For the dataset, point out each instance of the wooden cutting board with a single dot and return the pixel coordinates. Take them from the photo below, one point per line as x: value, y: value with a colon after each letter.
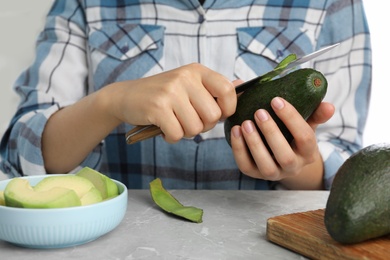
x: 305, y: 233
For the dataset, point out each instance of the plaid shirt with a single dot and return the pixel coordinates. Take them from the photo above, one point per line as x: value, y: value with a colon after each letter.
x: 86, y: 45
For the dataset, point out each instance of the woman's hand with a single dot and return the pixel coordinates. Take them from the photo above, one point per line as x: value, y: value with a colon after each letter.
x: 298, y: 166
x: 183, y: 102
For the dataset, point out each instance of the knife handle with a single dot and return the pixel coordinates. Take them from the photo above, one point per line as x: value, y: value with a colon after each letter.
x: 140, y: 133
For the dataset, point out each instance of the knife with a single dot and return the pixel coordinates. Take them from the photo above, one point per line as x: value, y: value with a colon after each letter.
x: 140, y: 133
x: 285, y: 69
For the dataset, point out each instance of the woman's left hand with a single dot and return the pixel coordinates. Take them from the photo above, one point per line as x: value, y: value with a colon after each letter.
x: 252, y: 156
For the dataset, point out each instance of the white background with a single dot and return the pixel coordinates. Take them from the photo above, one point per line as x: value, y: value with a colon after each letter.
x: 21, y: 21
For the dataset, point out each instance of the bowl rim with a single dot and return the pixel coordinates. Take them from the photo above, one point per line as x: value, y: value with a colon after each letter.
x: 122, y: 188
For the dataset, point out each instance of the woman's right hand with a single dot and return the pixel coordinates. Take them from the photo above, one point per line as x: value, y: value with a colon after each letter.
x: 183, y: 102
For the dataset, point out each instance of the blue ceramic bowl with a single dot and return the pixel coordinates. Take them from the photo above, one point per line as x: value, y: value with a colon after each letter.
x: 62, y: 227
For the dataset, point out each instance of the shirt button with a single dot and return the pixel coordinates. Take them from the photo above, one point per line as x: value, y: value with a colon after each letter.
x: 201, y: 19
x: 125, y: 49
x: 279, y: 53
x: 198, y: 139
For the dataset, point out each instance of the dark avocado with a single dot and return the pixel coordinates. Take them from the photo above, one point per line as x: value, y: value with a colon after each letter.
x: 303, y: 88
x: 358, y: 207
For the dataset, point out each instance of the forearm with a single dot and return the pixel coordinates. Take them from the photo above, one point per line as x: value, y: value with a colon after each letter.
x: 71, y: 133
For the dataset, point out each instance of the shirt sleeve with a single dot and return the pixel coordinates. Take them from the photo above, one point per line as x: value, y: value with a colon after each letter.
x: 349, y: 72
x: 56, y: 78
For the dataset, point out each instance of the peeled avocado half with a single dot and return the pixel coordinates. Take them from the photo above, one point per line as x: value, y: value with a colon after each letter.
x: 19, y: 193
x: 104, y: 184
x: 86, y: 187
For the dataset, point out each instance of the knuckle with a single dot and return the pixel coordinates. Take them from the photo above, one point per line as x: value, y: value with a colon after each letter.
x: 309, y: 137
x: 249, y: 171
x: 172, y: 89
x: 194, y: 65
x: 186, y: 72
x: 306, y: 137
x: 288, y: 163
x: 226, y: 87
x: 159, y: 103
x: 229, y: 102
x: 213, y: 115
x: 174, y: 137
x: 194, y: 130
x: 270, y: 174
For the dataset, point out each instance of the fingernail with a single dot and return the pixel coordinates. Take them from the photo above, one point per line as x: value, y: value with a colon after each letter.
x: 248, y: 126
x: 261, y: 115
x: 236, y: 132
x: 277, y: 103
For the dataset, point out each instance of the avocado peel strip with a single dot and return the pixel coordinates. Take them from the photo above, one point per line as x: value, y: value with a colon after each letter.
x: 170, y: 204
x: 278, y: 69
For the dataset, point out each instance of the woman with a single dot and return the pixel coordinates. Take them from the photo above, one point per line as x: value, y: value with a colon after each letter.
x: 101, y: 69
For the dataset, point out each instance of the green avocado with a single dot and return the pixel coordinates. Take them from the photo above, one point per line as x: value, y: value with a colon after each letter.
x: 303, y: 88
x: 358, y: 207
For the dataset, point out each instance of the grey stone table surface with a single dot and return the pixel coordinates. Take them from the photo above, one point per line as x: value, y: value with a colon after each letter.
x: 233, y: 227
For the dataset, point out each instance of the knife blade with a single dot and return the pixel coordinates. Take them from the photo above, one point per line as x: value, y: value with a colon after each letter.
x: 289, y: 67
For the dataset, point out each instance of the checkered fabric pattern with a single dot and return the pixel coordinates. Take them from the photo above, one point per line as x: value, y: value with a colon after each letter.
x: 88, y: 44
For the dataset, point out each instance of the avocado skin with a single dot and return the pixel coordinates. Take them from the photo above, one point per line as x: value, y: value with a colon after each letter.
x: 296, y: 87
x: 358, y: 207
